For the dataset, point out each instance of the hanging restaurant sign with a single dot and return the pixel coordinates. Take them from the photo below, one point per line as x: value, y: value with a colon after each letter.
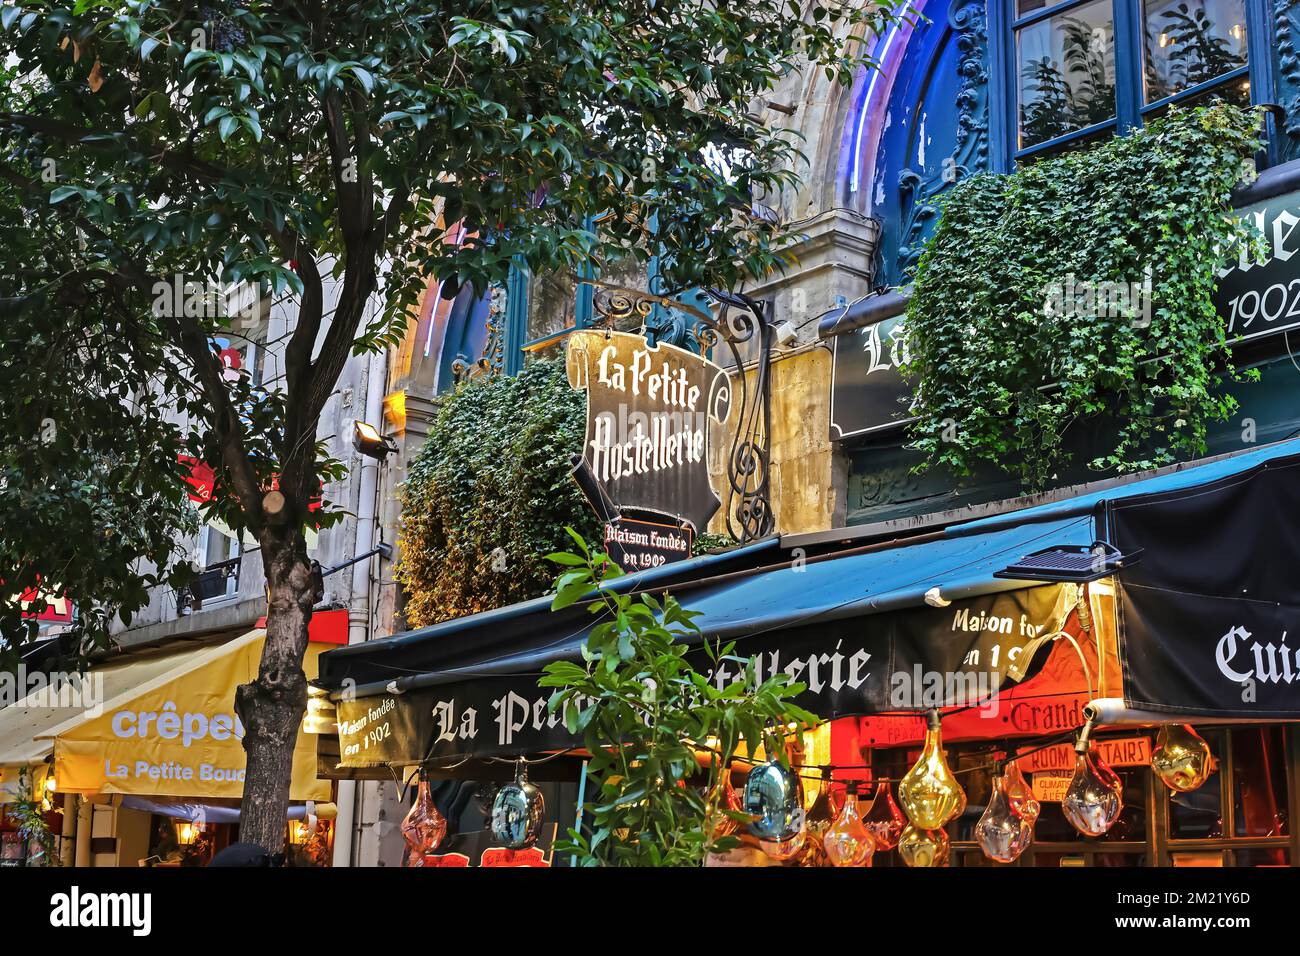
x: 640, y: 545
x: 868, y: 393
x: 649, y: 410
x: 906, y: 660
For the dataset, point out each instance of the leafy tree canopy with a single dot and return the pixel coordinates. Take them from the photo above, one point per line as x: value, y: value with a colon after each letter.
x: 326, y: 151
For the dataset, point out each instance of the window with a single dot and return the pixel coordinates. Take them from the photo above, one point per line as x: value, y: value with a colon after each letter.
x: 220, y: 563
x: 1188, y: 43
x: 1065, y: 64
x: 1079, y: 70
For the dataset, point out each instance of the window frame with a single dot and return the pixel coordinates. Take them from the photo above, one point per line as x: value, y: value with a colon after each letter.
x: 1130, y: 108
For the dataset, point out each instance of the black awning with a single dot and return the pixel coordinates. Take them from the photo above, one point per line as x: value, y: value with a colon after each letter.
x: 1220, y: 544
x: 1210, y: 617
x: 865, y: 311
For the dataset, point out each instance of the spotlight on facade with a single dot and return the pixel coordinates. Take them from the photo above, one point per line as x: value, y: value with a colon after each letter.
x: 367, y: 440
x: 1070, y: 563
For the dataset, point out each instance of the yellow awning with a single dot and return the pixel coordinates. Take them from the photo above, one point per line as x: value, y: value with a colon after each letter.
x: 22, y: 723
x: 177, y: 734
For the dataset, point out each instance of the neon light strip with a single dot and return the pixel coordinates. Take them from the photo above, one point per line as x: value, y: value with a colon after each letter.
x: 854, y: 173
x: 437, y: 294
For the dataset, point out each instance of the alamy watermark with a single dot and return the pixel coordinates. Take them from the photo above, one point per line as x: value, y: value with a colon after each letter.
x: 54, y: 689
x: 207, y: 300
x: 1075, y: 298
x: 920, y: 689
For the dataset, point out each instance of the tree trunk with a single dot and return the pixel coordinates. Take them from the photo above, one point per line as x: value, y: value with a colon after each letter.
x: 271, y: 707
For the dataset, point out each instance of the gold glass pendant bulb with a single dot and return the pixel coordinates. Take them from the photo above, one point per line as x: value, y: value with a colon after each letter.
x: 846, y: 841
x: 1095, y: 797
x: 929, y: 793
x: 883, y: 820
x: 923, y: 847
x: 1005, y: 829
x: 1182, y: 758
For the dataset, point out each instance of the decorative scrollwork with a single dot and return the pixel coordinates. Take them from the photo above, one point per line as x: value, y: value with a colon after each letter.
x: 618, y: 306
x: 1287, y: 33
x: 749, y: 506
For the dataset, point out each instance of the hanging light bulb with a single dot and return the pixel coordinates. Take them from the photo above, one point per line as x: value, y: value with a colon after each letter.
x: 883, y: 820
x: 1182, y: 758
x: 785, y: 850
x: 773, y: 795
x: 1019, y: 792
x: 1006, y: 828
x: 821, y: 815
x: 1095, y: 797
x: 929, y: 793
x: 846, y: 841
x: 923, y: 847
x: 424, y: 827
x: 517, y: 812
x: 729, y: 799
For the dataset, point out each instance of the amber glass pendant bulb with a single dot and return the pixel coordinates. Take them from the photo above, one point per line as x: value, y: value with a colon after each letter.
x: 883, y: 820
x: 846, y: 841
x: 929, y: 793
x: 1095, y: 797
x: 1019, y: 792
x: 423, y: 827
x: 821, y: 815
x: 787, y: 849
x: 1006, y: 828
x: 729, y: 800
x: 923, y: 847
x: 1182, y: 758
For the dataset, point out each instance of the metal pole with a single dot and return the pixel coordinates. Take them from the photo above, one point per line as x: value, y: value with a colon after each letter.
x: 582, y: 795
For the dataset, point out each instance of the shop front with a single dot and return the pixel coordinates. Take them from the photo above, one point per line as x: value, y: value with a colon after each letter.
x: 1129, y: 611
x: 140, y: 762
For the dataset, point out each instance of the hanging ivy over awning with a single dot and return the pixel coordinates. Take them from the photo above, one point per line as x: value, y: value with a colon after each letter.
x: 1078, y: 290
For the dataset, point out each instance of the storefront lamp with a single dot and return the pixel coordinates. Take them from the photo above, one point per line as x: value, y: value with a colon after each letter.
x: 187, y: 833
x: 299, y: 831
x: 367, y: 440
x: 1070, y: 563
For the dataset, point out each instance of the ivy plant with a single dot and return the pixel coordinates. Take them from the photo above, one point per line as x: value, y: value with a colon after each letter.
x: 490, y: 492
x: 1078, y: 290
x: 650, y: 718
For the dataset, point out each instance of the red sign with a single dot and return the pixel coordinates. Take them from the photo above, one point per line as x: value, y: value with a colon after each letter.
x: 203, y: 482
x: 500, y: 856
x: 446, y: 859
x: 58, y: 609
x: 201, y: 479
x: 325, y: 627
